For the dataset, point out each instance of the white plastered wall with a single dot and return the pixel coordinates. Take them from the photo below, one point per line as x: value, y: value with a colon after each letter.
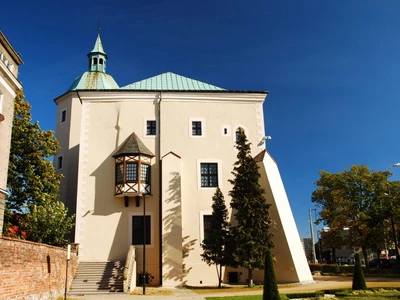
x: 291, y: 264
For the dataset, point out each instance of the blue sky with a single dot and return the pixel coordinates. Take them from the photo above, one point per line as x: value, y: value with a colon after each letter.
x: 331, y: 67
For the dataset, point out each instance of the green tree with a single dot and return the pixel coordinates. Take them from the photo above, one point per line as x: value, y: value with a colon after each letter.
x: 353, y: 199
x: 215, y: 242
x: 251, y: 233
x: 270, y: 291
x: 358, y: 277
x: 30, y: 174
x: 47, y: 223
x: 33, y: 184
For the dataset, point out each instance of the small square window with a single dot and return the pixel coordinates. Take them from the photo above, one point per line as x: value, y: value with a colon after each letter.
x: 137, y: 230
x: 209, y: 174
x: 63, y: 116
x: 196, y: 128
x: 151, y: 127
x: 59, y: 162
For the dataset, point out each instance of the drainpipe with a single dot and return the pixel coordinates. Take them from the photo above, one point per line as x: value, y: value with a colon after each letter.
x: 160, y: 187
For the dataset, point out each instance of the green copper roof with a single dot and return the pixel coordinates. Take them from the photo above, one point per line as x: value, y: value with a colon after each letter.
x: 94, y: 81
x: 132, y: 145
x: 98, y: 46
x: 171, y: 82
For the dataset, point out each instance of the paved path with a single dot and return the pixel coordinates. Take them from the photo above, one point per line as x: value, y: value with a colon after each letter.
x: 320, y: 283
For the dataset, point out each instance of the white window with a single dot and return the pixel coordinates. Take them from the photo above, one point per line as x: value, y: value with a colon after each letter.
x: 59, y: 162
x: 205, y: 223
x: 197, y: 128
x: 209, y: 174
x: 63, y: 116
x: 150, y: 127
x: 136, y: 229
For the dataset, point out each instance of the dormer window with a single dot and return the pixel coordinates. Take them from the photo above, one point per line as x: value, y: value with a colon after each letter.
x: 132, y: 169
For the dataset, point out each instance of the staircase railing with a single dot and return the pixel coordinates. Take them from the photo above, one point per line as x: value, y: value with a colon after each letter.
x: 130, y: 271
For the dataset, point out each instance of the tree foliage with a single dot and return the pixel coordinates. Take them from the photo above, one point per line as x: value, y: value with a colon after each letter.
x: 270, y: 291
x: 31, y: 177
x: 355, y: 199
x: 47, y: 223
x: 32, y: 205
x: 251, y: 233
x: 215, y: 243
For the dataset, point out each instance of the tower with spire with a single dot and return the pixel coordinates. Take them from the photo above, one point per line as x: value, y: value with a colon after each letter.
x: 95, y: 78
x: 97, y: 57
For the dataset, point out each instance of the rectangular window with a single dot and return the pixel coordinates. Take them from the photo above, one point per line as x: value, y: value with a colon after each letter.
x: 145, y: 173
x: 209, y: 174
x: 59, y: 162
x: 63, y: 116
x: 137, y: 230
x: 196, y: 128
x: 207, y: 225
x: 119, y: 173
x: 151, y: 128
x: 131, y: 172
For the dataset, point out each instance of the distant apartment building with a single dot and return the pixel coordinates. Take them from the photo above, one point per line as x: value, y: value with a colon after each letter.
x: 9, y: 84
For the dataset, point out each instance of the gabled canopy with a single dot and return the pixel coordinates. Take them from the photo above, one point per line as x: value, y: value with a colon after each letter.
x: 132, y: 145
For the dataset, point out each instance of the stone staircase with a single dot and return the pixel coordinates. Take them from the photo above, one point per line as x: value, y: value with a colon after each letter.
x: 98, y: 278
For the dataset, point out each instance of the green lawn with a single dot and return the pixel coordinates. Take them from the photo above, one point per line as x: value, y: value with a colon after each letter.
x: 345, y: 295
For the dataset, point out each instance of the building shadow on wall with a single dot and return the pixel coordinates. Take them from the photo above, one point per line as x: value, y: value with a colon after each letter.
x: 106, y: 204
x: 176, y: 248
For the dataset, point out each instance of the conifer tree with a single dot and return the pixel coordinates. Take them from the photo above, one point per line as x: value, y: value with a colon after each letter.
x: 358, y: 277
x: 215, y: 242
x: 251, y: 233
x: 270, y: 291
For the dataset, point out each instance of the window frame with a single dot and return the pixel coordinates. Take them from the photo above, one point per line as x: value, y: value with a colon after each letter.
x: 209, y: 175
x: 145, y: 120
x: 60, y: 161
x: 219, y: 173
x: 201, y: 223
x: 63, y: 116
x: 130, y: 229
x: 203, y: 128
x: 150, y: 129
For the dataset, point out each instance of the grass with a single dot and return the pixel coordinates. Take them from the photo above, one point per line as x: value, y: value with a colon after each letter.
x: 372, y: 294
x: 224, y: 289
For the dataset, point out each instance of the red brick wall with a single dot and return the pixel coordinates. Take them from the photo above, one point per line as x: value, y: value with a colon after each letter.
x: 33, y: 269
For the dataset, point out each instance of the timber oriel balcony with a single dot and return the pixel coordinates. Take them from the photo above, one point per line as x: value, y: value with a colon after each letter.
x: 132, y: 168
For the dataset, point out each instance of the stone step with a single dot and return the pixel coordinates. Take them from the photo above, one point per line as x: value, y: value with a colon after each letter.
x: 98, y: 278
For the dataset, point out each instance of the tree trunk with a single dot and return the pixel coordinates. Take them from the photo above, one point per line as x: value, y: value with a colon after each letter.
x: 250, y: 277
x: 220, y: 276
x: 364, y: 252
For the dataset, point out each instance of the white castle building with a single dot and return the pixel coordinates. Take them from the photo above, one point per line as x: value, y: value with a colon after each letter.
x: 168, y: 141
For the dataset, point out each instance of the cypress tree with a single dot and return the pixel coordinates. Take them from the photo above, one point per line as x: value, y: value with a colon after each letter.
x: 270, y: 287
x: 251, y: 233
x: 214, y: 243
x: 358, y: 277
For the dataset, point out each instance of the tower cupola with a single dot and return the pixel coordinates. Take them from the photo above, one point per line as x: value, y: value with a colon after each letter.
x: 97, y: 57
